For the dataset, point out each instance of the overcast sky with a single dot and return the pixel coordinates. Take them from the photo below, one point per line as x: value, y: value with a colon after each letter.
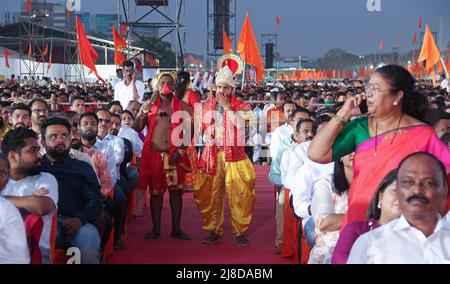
x: 308, y: 27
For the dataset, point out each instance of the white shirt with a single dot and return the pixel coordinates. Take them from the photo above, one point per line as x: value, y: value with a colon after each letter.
x: 445, y: 85
x: 303, y: 186
x: 399, y: 243
x: 27, y: 187
x: 297, y: 159
x: 285, y: 164
x: 281, y: 133
x: 115, y: 81
x: 13, y: 240
x: 114, y: 150
x: 124, y: 94
x: 133, y: 136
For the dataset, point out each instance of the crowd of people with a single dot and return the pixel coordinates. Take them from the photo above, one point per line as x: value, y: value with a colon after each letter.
x: 360, y: 169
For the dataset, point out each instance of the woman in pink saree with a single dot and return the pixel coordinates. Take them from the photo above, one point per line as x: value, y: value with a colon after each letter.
x: 394, y: 128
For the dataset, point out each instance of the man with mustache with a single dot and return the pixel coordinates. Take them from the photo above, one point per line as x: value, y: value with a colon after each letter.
x: 39, y: 113
x: 5, y: 109
x: 130, y: 88
x: 420, y: 235
x: 22, y: 150
x: 20, y: 116
x: 164, y: 161
x: 79, y: 205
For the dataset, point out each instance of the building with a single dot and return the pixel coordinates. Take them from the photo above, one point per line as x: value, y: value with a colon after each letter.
x: 103, y: 24
x: 444, y: 34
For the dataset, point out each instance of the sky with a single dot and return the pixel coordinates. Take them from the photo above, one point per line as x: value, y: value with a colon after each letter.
x: 308, y: 27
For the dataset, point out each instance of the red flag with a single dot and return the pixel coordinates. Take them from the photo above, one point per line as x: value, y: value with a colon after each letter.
x: 430, y: 51
x: 226, y: 42
x: 415, y: 38
x: 334, y: 73
x: 278, y: 21
x: 124, y: 28
x: 297, y: 75
x: 361, y: 74
x: 7, y: 54
x: 447, y: 63
x: 339, y: 73
x: 420, y: 23
x: 28, y: 7
x: 88, y: 55
x: 49, y: 61
x: 119, y: 45
x: 381, y: 45
x: 151, y: 60
x: 138, y: 63
x: 248, y: 48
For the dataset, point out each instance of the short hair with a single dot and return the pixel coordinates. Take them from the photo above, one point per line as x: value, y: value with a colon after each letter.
x: 54, y: 121
x: 37, y: 100
x: 288, y: 103
x: 373, y: 212
x: 115, y: 103
x: 445, y: 138
x: 102, y: 109
x: 298, y: 110
x: 128, y: 63
x: 320, y: 120
x: 5, y: 103
x: 118, y: 70
x: 14, y: 140
x: 21, y: 106
x: 300, y: 122
x: 129, y: 112
x: 116, y: 116
x: 86, y: 114
x: 133, y: 101
x: 438, y: 162
x: 74, y: 98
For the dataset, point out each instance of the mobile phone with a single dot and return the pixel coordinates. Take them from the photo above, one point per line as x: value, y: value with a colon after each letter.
x: 363, y: 107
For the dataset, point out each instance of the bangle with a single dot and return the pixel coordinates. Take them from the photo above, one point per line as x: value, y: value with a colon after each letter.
x: 340, y: 120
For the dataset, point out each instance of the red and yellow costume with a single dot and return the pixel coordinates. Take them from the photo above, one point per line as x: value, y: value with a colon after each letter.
x: 224, y: 167
x: 155, y: 172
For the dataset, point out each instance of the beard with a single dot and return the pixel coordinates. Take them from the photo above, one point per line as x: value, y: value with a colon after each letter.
x: 59, y: 152
x: 88, y: 135
x: 114, y: 132
x: 76, y: 144
x: 33, y: 171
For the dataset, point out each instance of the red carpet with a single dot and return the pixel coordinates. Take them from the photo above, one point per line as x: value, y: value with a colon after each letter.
x: 167, y: 250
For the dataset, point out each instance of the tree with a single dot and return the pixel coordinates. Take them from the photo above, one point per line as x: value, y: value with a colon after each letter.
x: 166, y: 56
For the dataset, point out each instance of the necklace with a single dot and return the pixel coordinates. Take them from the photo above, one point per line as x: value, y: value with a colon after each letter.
x: 393, y: 137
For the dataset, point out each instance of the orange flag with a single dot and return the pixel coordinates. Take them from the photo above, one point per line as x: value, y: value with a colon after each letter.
x: 124, y: 28
x: 415, y: 38
x: 334, y: 73
x: 28, y: 6
x: 45, y: 51
x: 447, y: 64
x: 7, y: 54
x: 227, y: 42
x: 278, y: 21
x: 248, y: 48
x: 119, y: 45
x: 30, y: 51
x: 339, y: 73
x: 88, y: 55
x: 381, y: 45
x: 430, y: 51
x: 49, y: 61
x: 361, y: 74
x: 420, y: 23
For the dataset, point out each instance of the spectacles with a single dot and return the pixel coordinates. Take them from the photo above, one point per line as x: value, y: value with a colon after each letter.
x: 44, y: 110
x: 375, y: 90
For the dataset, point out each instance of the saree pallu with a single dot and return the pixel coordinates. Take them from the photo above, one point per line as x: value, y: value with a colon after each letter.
x: 376, y: 157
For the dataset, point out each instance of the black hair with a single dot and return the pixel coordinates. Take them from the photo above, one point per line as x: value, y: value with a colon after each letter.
x: 445, y: 138
x: 54, y: 121
x: 21, y: 106
x: 128, y: 63
x: 37, y: 100
x: 297, y: 110
x: 321, y: 119
x: 183, y: 78
x: 287, y: 103
x: 129, y: 112
x: 5, y: 103
x: 413, y: 103
x: 438, y: 162
x: 14, y: 140
x: 86, y: 114
x: 341, y: 184
x: 300, y: 122
x: 74, y: 98
x: 373, y: 212
x: 116, y: 116
x: 114, y: 103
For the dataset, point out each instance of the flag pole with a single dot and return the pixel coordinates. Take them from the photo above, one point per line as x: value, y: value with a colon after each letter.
x: 445, y: 67
x: 83, y: 80
x: 243, y: 77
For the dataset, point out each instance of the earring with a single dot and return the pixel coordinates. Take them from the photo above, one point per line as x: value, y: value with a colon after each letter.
x: 395, y: 103
x: 379, y: 205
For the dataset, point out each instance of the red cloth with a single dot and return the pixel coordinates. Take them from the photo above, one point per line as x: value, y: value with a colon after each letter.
x: 150, y: 159
x: 234, y: 153
x: 290, y: 242
x: 33, y: 228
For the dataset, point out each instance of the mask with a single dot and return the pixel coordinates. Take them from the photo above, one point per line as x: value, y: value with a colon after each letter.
x: 328, y: 102
x: 166, y: 90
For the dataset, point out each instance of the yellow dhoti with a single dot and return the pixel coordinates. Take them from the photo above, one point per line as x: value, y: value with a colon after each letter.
x: 238, y: 180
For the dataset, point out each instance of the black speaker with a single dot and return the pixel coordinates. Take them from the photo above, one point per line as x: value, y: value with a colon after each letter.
x: 221, y: 21
x: 269, y: 55
x: 152, y: 2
